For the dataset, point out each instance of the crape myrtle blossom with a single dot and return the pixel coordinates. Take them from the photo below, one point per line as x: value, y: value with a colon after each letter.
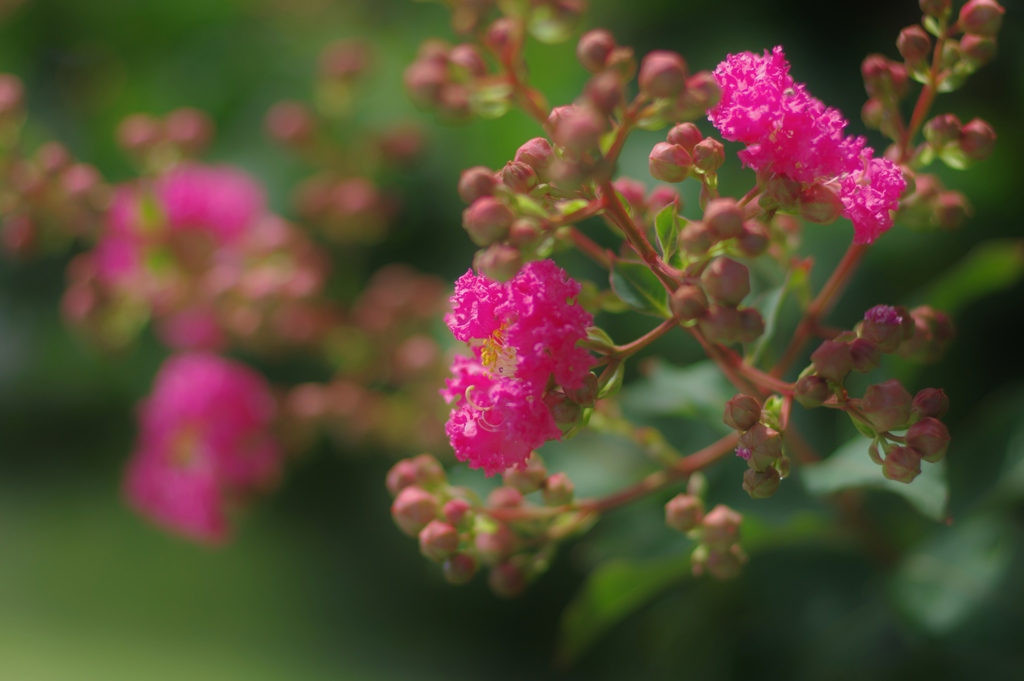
x: 204, y: 441
x: 523, y: 334
x: 789, y: 132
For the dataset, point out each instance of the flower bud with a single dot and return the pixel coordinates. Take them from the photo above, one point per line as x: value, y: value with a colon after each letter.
x: 487, y: 220
x: 930, y: 403
x: 742, y: 412
x: 695, y: 238
x: 981, y: 17
x: 524, y: 233
x: 633, y: 192
x: 811, y: 391
x: 721, y: 527
x: 723, y: 218
x: 412, y: 509
x: 873, y: 113
x: 832, y: 360
x: 765, y: 445
x: 724, y: 564
x: 191, y: 129
x: 475, y: 183
x: 755, y: 239
x: 459, y: 569
x: 593, y: 49
x: 438, y: 541
x: 751, y: 325
x: 494, y: 545
x: 942, y: 130
x: 506, y: 580
x: 504, y: 497
x: 424, y: 80
x: 708, y: 155
x: 622, y: 61
x: 558, y: 490
x: 526, y: 480
x: 669, y: 162
x: 932, y: 332
x: 914, y: 44
x: 726, y: 281
x: 865, y: 355
x: 604, y: 92
x: 401, y: 475
x: 290, y: 123
x: 586, y: 394
x: 688, y: 302
x: 662, y: 74
x: 537, y: 154
x: 977, y: 140
x: 138, y: 132
x: 686, y: 135
x: 950, y: 210
x: 820, y: 203
x: 761, y: 484
x: 683, y: 512
x: 567, y: 414
x: 457, y: 512
x: 579, y: 129
x: 887, y: 405
x: 701, y: 93
x: 12, y: 94
x: 502, y: 36
x: 883, y: 326
x: 883, y: 79
x: 902, y: 464
x: 930, y: 438
x: 978, y: 50
x: 518, y: 177
x: 935, y: 8
x: 720, y: 324
x: 468, y: 58
x: 498, y: 262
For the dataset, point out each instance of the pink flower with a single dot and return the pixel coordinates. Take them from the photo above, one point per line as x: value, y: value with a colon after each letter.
x: 523, y: 333
x: 791, y: 133
x: 204, y: 439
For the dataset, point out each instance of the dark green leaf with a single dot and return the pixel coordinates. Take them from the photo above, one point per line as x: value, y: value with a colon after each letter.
x: 698, y: 390
x: 989, y: 267
x: 768, y: 304
x: 666, y: 229
x: 639, y: 288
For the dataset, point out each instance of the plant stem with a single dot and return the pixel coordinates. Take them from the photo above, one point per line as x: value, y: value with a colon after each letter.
x: 590, y: 248
x: 924, y: 99
x: 640, y: 343
x: 637, y: 239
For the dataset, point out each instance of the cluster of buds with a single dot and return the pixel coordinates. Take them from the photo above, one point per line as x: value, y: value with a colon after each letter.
x: 157, y: 144
x: 716, y: 533
x: 760, y: 443
x: 932, y: 206
x: 510, y: 535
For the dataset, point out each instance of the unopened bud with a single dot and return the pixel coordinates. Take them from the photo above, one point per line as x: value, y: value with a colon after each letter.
x: 661, y: 197
x: 519, y: 177
x: 401, y: 475
x: 887, y: 405
x: 702, y: 92
x: 487, y: 220
x: 633, y: 192
x: 504, y: 497
x: 494, y: 545
x: 761, y: 484
x: 930, y: 403
x: 873, y: 113
x: 723, y: 218
x: 902, y: 464
x: 138, y: 132
x: 981, y: 17
x: 721, y: 527
x: 684, y: 512
x: 498, y: 262
x: 558, y: 490
x: 537, y: 154
x: 708, y: 155
x: 811, y: 391
x: 344, y: 59
x: 950, y: 210
x: 977, y: 49
x: 930, y: 438
x: 832, y: 360
x: 475, y: 183
x: 528, y: 479
x: 865, y: 355
x: 424, y: 80
x: 821, y: 204
x: 669, y: 162
x: 468, y: 58
x: 977, y: 139
x: 604, y: 92
x: 567, y: 414
x: 502, y: 35
x: 191, y: 129
x: 290, y: 123
x: 622, y: 61
x: 726, y: 281
x: 686, y: 135
x: 586, y: 394
x: 942, y: 130
x: 883, y: 326
x: 765, y: 445
x: 579, y: 130
x: 506, y: 580
x: 438, y: 540
x: 457, y: 512
x: 688, y: 302
x: 751, y: 325
x: 524, y: 233
x: 755, y: 239
x: 914, y: 44
x: 695, y: 238
x: 12, y: 94
x: 593, y: 49
x: 724, y: 564
x: 742, y: 412
x: 935, y: 8
x: 459, y: 569
x: 662, y: 74
x: 720, y: 324
x: 931, y: 335
x: 412, y: 509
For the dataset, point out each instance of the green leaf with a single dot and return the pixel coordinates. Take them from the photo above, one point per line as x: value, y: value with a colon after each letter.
x: 943, y: 583
x: 1009, y: 486
x: 639, y: 288
x: 990, y: 266
x: 666, y: 229
x: 768, y: 304
x: 851, y: 466
x: 933, y: 26
x: 698, y: 390
x: 613, y: 383
x: 528, y: 206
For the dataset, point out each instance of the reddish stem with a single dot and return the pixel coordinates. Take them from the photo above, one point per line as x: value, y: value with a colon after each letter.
x: 645, y: 340
x: 590, y: 248
x: 635, y: 236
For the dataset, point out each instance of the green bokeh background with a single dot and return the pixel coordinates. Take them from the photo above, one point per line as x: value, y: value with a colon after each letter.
x: 319, y: 584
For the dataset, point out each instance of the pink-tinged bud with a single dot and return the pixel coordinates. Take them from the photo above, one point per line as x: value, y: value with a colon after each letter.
x: 661, y: 197
x: 12, y: 94
x: 765, y: 445
x: 498, y: 262
x: 981, y: 17
x: 17, y: 236
x: 457, y: 512
x: 459, y: 569
x: 79, y: 179
x: 438, y: 541
x: 506, y: 580
x: 755, y: 239
x: 566, y: 413
x: 526, y: 480
x: 623, y: 62
x: 502, y: 36
x: 424, y: 81
x: 475, y: 183
x: 723, y: 218
x: 930, y: 438
x: 688, y: 302
x: 742, y: 412
x: 586, y: 394
x: 977, y: 139
x: 537, y: 154
x: 887, y: 405
x: 53, y: 157
x: 684, y: 512
x: 722, y: 564
x: 865, y: 355
x: 429, y: 471
x: 669, y: 162
x: 932, y: 333
x: 579, y: 129
x: 761, y: 484
x: 751, y: 325
x: 412, y: 509
x: 726, y: 281
x: 930, y: 403
x: 518, y: 177
x: 977, y: 49
x: 290, y: 123
x: 935, y: 8
x: 344, y: 59
x: 403, y: 474
x: 504, y: 497
x: 558, y: 490
x: 721, y: 527
x: 702, y: 93
x: 883, y: 326
x: 873, y: 113
x: 191, y: 129
x: 902, y: 464
x: 832, y: 360
x: 594, y: 48
x: 604, y: 92
x: 784, y: 192
x: 468, y: 58
x: 720, y: 324
x: 821, y: 204
x: 695, y: 238
x: 811, y: 391
x: 914, y: 44
x: 708, y: 155
x: 524, y: 233
x: 487, y: 220
x: 686, y: 135
x: 950, y: 210
x: 139, y: 132
x: 494, y: 545
x: 907, y: 325
x: 662, y: 74
x: 942, y: 130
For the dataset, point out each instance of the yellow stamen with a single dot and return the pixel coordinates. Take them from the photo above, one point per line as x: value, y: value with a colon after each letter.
x: 499, y: 358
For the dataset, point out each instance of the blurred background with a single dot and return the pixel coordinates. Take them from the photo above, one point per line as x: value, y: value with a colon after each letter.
x: 318, y: 583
